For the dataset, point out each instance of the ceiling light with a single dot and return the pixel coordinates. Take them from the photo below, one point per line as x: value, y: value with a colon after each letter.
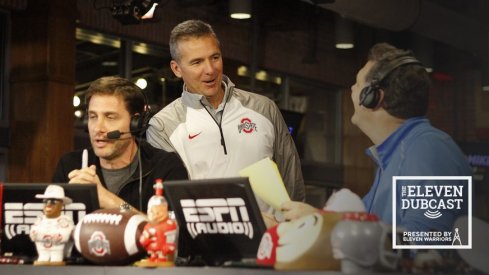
x: 242, y: 71
x: 133, y: 11
x: 260, y: 75
x: 109, y: 63
x: 240, y: 9
x: 343, y: 33
x: 76, y: 101
x: 142, y: 83
x: 79, y: 113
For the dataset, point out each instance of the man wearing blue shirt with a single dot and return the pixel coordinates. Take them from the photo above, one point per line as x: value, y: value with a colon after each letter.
x: 390, y: 99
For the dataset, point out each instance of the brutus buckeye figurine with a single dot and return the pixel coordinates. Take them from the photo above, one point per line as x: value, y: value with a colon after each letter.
x: 159, y: 234
x: 52, y: 231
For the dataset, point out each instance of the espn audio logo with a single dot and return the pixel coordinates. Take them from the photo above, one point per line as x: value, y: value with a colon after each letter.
x: 19, y: 216
x: 219, y: 215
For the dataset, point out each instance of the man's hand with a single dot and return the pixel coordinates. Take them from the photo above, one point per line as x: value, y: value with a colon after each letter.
x: 293, y: 210
x: 85, y: 175
x: 269, y: 219
x: 106, y: 198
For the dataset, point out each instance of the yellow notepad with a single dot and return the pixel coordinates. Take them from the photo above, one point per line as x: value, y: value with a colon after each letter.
x: 266, y: 182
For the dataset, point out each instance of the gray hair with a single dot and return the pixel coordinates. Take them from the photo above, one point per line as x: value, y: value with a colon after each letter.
x: 189, y: 29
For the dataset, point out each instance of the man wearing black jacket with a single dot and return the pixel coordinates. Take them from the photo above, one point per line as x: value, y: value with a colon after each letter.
x: 123, y: 168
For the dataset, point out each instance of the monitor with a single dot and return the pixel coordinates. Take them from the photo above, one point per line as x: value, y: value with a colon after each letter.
x: 219, y: 220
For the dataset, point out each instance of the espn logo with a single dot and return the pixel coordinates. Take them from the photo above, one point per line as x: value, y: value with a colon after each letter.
x: 212, y: 216
x: 19, y: 216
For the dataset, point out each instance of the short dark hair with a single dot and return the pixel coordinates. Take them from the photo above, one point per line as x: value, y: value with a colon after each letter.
x: 117, y: 86
x: 406, y: 88
x: 189, y: 29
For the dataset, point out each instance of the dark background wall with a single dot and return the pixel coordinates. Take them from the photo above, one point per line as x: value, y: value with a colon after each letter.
x: 290, y: 37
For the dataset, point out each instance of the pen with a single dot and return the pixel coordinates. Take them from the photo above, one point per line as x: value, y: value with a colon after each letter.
x: 84, y: 158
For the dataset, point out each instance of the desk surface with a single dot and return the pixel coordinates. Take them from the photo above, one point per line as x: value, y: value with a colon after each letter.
x: 129, y: 270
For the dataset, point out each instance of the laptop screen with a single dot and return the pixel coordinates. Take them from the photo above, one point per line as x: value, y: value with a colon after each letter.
x: 19, y: 209
x: 219, y: 219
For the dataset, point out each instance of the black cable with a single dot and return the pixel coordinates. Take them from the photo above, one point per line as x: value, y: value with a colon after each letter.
x: 140, y: 175
x: 223, y: 142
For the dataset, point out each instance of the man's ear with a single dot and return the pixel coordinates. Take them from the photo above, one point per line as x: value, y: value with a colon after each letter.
x: 175, y: 68
x: 381, y: 100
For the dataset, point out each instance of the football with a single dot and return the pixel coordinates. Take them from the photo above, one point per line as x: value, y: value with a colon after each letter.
x: 110, y: 236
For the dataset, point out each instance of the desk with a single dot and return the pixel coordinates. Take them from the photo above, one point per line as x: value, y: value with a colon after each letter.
x: 130, y: 270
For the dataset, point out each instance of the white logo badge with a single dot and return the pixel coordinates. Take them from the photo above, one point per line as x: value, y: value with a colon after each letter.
x: 433, y: 200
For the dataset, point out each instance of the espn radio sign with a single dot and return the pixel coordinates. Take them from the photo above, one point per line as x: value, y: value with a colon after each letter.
x: 217, y: 216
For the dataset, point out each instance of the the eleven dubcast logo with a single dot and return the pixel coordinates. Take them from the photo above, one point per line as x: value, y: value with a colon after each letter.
x: 434, y: 200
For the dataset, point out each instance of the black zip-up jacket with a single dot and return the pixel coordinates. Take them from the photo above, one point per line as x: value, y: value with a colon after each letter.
x: 156, y: 163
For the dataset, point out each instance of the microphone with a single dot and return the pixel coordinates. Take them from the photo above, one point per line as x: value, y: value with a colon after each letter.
x: 116, y: 134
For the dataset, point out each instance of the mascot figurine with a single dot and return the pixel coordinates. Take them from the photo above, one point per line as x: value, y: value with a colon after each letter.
x: 302, y: 244
x: 160, y: 233
x: 356, y: 242
x: 342, y: 236
x: 52, y: 232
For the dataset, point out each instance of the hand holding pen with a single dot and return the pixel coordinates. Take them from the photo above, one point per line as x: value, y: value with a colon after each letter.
x: 85, y: 174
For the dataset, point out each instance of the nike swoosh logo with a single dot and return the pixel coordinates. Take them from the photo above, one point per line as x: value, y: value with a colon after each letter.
x: 192, y: 136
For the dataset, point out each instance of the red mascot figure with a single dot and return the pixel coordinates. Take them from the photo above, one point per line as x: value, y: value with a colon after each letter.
x: 159, y: 234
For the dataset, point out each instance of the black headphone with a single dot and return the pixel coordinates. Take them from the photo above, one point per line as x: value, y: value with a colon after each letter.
x: 140, y: 122
x: 370, y: 95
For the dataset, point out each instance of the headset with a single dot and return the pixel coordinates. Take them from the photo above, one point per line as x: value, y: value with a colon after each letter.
x: 370, y: 95
x: 140, y: 122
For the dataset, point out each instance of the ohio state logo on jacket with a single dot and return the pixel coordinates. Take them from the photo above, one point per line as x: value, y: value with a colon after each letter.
x: 246, y: 126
